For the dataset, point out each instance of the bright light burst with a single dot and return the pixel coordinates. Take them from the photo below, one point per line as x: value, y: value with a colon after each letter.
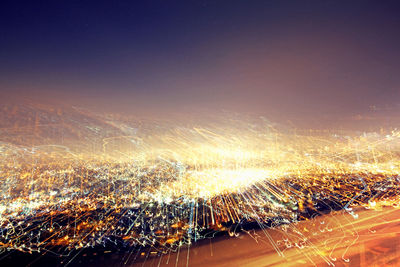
x: 167, y: 188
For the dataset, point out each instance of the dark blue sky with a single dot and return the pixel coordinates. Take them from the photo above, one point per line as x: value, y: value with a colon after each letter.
x: 288, y: 57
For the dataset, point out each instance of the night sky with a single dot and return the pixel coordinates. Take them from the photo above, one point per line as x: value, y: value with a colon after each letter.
x: 291, y: 58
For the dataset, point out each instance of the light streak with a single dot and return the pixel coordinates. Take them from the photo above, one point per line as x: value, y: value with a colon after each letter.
x: 179, y: 185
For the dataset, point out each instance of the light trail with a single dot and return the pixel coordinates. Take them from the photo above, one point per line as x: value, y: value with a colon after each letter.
x: 179, y: 185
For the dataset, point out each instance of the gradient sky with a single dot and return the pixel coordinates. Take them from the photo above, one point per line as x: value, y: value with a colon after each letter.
x: 296, y: 58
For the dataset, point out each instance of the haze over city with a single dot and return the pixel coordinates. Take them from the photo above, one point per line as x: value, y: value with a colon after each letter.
x: 303, y: 60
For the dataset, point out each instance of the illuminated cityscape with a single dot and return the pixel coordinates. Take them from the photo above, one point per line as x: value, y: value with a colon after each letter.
x: 200, y: 134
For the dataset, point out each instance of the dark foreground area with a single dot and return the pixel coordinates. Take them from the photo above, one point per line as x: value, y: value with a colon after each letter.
x: 343, y: 238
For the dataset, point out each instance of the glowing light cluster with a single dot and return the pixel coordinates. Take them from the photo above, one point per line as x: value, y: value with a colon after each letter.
x: 170, y: 188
